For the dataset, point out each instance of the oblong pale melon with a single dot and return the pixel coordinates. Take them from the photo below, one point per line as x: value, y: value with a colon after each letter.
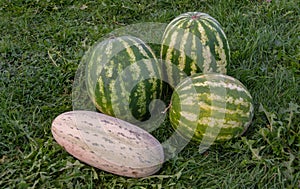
x: 108, y: 143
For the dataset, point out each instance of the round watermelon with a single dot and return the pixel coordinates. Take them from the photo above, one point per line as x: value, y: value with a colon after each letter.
x: 195, y: 43
x: 122, y: 78
x: 224, y: 108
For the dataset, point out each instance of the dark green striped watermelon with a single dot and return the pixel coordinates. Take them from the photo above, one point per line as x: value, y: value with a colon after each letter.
x: 196, y: 43
x: 116, y: 78
x: 225, y: 108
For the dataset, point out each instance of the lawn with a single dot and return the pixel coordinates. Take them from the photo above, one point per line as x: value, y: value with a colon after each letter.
x: 43, y: 42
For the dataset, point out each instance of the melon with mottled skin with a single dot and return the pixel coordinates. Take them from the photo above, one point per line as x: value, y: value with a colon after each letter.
x: 108, y: 143
x: 224, y: 103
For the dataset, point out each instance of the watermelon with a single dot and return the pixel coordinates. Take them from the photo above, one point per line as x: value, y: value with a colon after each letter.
x: 123, y: 77
x: 225, y: 108
x: 195, y: 43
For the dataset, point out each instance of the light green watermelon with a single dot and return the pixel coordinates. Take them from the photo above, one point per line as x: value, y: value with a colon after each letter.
x: 221, y: 107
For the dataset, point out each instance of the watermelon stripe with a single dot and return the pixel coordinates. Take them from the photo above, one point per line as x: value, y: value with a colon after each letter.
x: 182, y: 57
x: 229, y: 100
x: 219, y: 122
x: 194, y: 55
x: 220, y: 84
x: 190, y: 116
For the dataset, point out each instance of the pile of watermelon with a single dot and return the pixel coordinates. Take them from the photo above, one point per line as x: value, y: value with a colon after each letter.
x: 124, y: 80
x: 194, y: 58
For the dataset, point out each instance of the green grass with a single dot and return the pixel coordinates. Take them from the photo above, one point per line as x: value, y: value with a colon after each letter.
x: 42, y: 43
